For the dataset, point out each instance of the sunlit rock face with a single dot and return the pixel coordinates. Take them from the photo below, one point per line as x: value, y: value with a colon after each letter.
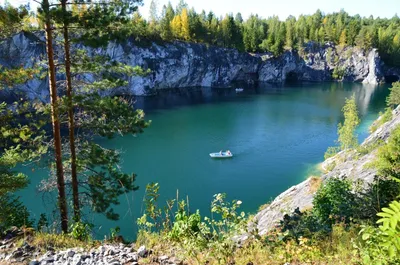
x: 180, y: 64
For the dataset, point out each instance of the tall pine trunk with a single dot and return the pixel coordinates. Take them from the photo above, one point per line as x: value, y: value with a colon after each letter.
x: 71, y: 125
x: 62, y: 202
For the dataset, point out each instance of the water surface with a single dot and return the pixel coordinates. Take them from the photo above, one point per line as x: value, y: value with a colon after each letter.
x: 277, y: 136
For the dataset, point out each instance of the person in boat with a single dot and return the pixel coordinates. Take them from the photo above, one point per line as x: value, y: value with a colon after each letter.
x: 228, y: 152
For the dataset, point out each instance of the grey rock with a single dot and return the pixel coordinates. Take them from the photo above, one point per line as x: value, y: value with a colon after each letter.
x: 163, y: 258
x: 142, y: 251
x: 76, y: 260
x: 48, y: 260
x: 70, y: 253
x: 17, y: 253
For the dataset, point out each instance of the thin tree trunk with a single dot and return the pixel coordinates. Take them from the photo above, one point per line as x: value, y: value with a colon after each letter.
x: 62, y: 202
x: 71, y: 125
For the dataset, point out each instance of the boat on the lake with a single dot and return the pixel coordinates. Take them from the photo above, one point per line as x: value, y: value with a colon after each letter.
x: 221, y: 154
x: 239, y: 89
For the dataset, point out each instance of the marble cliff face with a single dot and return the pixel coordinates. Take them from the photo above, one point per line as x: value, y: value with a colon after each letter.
x: 180, y: 64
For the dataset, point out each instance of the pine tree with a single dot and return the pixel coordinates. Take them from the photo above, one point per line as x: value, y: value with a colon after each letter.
x: 181, y: 5
x: 168, y: 15
x: 55, y: 119
x: 12, y: 19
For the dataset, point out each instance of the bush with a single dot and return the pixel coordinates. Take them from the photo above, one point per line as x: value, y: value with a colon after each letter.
x: 81, y: 231
x: 302, y: 225
x: 370, y: 247
x: 332, y: 151
x: 383, y: 118
x: 394, y: 97
x: 335, y: 201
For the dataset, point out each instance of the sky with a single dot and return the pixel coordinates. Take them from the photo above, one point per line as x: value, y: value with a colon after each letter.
x: 281, y: 8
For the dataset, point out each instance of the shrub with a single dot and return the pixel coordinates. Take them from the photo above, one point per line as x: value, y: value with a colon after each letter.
x: 81, y: 231
x: 332, y: 151
x: 335, y: 201
x: 383, y: 118
x: 302, y: 225
x: 394, y: 97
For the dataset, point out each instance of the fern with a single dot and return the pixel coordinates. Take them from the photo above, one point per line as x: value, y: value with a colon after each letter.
x: 390, y: 226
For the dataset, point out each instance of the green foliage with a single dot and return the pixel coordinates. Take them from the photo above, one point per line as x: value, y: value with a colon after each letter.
x: 104, y: 180
x: 382, y: 245
x: 42, y: 222
x: 390, y: 220
x: 115, y: 233
x: 383, y: 118
x: 338, y: 73
x: 81, y: 231
x: 332, y: 151
x: 394, y: 97
x: 388, y: 158
x: 118, y: 20
x: 335, y: 201
x: 13, y: 213
x: 371, y: 247
x: 214, y: 234
x: 346, y: 131
x: 20, y: 141
x: 151, y: 208
x: 366, y: 149
x: 192, y: 232
x: 300, y: 225
x: 13, y: 19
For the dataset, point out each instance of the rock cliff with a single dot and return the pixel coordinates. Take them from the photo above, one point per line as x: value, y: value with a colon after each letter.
x: 182, y: 64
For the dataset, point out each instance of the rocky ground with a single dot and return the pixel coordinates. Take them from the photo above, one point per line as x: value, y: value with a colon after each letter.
x: 107, y: 254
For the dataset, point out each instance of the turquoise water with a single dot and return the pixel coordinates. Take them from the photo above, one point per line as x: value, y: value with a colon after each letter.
x: 277, y: 136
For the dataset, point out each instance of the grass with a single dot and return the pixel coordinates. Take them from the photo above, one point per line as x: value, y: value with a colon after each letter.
x: 336, y: 249
x: 264, y: 206
x: 366, y: 149
x: 44, y: 241
x: 315, y: 183
x: 383, y: 118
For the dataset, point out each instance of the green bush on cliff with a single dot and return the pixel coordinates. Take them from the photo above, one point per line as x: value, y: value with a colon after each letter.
x: 347, y: 137
x: 394, y: 96
x: 192, y: 232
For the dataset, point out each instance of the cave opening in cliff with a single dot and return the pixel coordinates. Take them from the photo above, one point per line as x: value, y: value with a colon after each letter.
x: 291, y: 77
x: 391, y: 78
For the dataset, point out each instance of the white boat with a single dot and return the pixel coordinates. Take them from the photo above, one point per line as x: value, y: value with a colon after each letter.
x: 239, y: 89
x: 226, y: 154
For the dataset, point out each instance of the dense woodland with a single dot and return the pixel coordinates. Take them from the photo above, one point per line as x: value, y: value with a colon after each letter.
x: 256, y: 34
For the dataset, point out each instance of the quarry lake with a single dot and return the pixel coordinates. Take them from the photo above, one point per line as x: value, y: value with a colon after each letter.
x: 277, y: 136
